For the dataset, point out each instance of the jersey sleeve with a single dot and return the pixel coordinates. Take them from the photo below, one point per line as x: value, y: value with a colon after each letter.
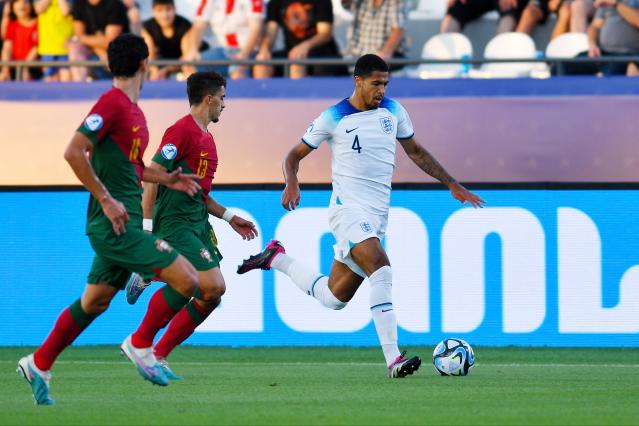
x: 172, y: 148
x: 100, y: 121
x: 320, y: 130
x: 404, y: 125
x: 204, y: 11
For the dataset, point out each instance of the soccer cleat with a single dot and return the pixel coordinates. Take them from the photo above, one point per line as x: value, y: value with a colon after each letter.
x: 145, y: 361
x: 262, y: 260
x: 403, y: 367
x: 37, y: 379
x: 164, y: 364
x: 134, y: 288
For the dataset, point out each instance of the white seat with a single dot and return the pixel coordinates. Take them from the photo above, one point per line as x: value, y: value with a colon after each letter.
x: 567, y: 45
x: 445, y: 46
x: 428, y: 9
x: 508, y: 46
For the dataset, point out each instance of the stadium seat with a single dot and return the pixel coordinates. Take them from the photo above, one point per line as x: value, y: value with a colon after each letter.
x: 445, y: 46
x: 567, y: 45
x: 506, y: 46
x: 428, y: 9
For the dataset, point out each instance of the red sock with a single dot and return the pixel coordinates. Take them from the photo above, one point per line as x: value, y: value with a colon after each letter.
x: 70, y: 324
x: 163, y: 306
x: 181, y: 327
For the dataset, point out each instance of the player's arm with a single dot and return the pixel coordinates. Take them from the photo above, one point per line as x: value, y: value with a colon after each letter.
x: 242, y: 226
x: 290, y: 167
x: 148, y: 201
x: 77, y: 155
x: 425, y: 161
x: 175, y: 180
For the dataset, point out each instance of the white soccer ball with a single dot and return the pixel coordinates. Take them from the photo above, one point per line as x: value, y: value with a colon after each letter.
x: 453, y: 357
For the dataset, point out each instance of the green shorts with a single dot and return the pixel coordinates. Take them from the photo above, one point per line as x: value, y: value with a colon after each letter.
x: 134, y: 251
x: 198, y: 248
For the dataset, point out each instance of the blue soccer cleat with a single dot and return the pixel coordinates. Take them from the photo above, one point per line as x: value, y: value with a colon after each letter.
x: 135, y: 287
x: 145, y: 361
x: 37, y: 379
x: 164, y: 364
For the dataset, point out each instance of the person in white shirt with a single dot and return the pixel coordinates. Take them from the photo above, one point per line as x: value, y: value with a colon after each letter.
x: 361, y: 132
x: 237, y: 29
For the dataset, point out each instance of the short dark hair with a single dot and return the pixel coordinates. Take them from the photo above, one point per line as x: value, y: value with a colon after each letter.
x: 125, y: 53
x: 200, y: 84
x: 163, y: 2
x: 366, y: 64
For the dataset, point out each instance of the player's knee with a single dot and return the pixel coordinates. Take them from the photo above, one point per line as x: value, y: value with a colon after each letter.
x: 212, y: 291
x: 96, y: 306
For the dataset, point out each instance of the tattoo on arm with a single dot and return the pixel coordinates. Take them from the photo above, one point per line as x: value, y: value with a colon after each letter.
x: 430, y: 165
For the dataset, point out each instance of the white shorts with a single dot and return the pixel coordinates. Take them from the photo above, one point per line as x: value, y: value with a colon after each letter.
x: 351, y: 225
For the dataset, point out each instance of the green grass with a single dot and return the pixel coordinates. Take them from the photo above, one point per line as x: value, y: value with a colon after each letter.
x: 92, y: 385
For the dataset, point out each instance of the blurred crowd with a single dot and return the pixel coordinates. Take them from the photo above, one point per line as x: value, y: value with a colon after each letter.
x: 78, y: 30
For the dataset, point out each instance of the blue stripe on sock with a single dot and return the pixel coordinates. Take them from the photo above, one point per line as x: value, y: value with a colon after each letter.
x: 313, y: 286
x: 381, y: 304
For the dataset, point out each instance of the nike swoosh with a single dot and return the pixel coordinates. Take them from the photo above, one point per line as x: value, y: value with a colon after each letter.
x: 348, y: 131
x: 135, y: 128
x: 203, y: 154
x: 386, y: 310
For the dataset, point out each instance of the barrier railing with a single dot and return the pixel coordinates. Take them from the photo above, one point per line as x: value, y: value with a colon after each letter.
x: 286, y: 63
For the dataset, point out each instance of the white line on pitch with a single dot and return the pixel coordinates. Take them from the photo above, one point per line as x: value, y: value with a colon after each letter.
x: 355, y: 364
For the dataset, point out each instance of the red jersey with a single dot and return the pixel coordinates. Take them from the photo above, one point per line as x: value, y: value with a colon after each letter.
x: 24, y: 39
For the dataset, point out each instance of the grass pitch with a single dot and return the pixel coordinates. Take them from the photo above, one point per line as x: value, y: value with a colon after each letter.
x: 93, y: 385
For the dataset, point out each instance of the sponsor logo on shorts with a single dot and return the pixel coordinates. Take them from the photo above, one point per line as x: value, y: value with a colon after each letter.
x: 94, y: 122
x: 169, y: 151
x: 162, y: 245
x: 387, y: 125
x: 206, y: 255
x: 366, y: 227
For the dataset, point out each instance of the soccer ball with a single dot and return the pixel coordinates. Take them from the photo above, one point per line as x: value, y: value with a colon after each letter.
x: 453, y: 357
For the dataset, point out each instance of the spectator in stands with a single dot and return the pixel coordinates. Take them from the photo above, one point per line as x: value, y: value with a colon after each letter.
x: 168, y: 36
x: 461, y: 12
x: 572, y: 16
x: 237, y: 30
x: 95, y: 24
x: 20, y: 38
x: 133, y: 13
x: 535, y: 12
x: 308, y: 33
x: 55, y: 28
x: 614, y: 31
x: 377, y: 27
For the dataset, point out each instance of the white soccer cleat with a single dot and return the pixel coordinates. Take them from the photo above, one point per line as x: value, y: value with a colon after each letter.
x: 145, y: 361
x: 38, y: 380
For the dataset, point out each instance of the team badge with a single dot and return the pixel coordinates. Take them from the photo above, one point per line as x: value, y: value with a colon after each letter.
x: 206, y: 255
x: 366, y: 227
x: 94, y: 122
x: 387, y: 125
x: 169, y: 151
x: 310, y: 128
x: 161, y: 245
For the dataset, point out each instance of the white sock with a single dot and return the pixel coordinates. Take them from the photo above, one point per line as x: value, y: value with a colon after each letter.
x: 384, y: 317
x: 309, y: 281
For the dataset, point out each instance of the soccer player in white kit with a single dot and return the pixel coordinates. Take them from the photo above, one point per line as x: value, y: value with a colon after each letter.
x: 361, y: 132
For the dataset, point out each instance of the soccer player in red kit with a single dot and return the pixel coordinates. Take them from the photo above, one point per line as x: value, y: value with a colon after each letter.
x: 183, y: 220
x: 106, y: 153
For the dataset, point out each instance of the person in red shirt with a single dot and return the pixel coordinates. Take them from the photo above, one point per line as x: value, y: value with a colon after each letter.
x: 21, y: 38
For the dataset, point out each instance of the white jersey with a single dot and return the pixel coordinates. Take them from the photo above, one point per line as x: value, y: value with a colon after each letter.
x: 363, y: 150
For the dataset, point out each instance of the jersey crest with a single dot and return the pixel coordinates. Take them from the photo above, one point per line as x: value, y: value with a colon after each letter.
x: 387, y: 124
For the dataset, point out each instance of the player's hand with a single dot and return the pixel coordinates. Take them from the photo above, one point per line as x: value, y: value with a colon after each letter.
x: 115, y: 211
x: 183, y: 182
x: 465, y: 196
x: 243, y: 227
x: 291, y: 197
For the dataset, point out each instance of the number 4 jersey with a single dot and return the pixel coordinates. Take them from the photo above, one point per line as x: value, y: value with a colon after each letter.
x: 185, y: 144
x: 363, y: 150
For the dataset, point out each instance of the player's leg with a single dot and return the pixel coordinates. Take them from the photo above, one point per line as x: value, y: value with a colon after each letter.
x: 208, y: 297
x: 370, y: 256
x: 35, y: 368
